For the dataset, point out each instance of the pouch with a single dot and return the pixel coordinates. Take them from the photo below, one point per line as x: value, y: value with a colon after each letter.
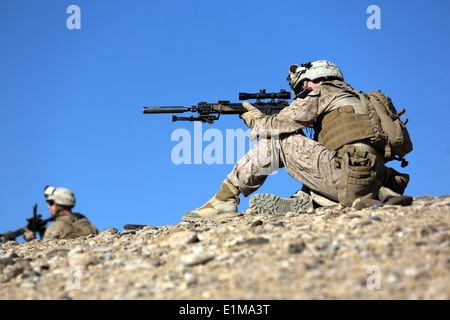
x: 358, y: 177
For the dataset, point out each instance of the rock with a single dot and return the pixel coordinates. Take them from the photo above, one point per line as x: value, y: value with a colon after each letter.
x: 297, y: 247
x: 10, y: 272
x: 256, y: 223
x: 358, y: 204
x: 197, y: 258
x: 109, y: 231
x: 82, y: 260
x: 442, y: 237
x: 253, y: 241
x: 182, y: 237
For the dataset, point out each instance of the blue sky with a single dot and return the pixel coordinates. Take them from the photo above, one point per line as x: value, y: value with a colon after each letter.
x: 71, y: 99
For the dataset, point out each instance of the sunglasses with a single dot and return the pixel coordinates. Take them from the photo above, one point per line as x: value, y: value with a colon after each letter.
x: 50, y: 202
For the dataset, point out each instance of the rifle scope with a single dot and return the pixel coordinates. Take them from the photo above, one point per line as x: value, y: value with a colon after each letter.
x: 263, y: 95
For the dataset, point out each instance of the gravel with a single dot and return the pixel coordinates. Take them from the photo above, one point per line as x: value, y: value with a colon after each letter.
x: 360, y: 252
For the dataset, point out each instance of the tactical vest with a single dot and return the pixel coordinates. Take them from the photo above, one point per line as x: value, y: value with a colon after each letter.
x: 342, y: 126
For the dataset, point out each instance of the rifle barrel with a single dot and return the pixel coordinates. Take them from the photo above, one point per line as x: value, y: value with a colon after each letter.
x: 166, y: 109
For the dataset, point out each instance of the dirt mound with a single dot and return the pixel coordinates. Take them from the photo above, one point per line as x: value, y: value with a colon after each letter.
x: 377, y: 252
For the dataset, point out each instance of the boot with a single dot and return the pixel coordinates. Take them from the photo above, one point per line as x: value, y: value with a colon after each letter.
x: 396, y: 181
x: 222, y: 205
x: 270, y: 203
x: 388, y: 196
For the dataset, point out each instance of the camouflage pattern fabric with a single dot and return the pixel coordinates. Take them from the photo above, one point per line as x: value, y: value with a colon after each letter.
x: 304, y: 159
x: 283, y: 144
x: 68, y: 227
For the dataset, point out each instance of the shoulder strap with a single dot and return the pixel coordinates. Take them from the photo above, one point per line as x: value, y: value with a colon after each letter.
x: 351, y: 90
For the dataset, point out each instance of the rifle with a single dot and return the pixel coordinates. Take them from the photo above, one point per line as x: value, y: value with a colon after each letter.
x: 35, y: 224
x: 209, y: 112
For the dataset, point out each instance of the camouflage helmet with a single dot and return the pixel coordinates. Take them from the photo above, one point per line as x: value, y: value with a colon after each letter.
x: 312, y: 71
x: 61, y: 196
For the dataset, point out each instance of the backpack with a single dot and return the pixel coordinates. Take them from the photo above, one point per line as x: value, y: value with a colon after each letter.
x: 399, y: 142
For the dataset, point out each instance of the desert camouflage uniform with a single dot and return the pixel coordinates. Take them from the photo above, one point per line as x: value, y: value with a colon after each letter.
x: 68, y: 227
x: 305, y: 159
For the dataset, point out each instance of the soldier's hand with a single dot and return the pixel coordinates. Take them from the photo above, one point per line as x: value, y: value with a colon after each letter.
x: 250, y: 115
x: 28, y: 234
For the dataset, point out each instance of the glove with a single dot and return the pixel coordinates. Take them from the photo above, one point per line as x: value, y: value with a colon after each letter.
x: 250, y: 115
x: 28, y: 235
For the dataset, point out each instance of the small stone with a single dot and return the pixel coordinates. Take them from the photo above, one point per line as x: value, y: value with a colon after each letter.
x: 297, y: 247
x: 76, y: 250
x: 197, y: 258
x: 11, y: 271
x: 250, y: 211
x: 322, y: 244
x: 82, y: 260
x: 256, y: 223
x: 156, y: 262
x: 10, y: 255
x: 182, y: 237
x: 27, y: 285
x: 358, y: 204
x: 135, y: 227
x: 192, y: 225
x: 290, y: 214
x: 109, y: 231
x: 253, y: 241
x: 442, y: 237
x: 424, y: 233
x: 364, y: 223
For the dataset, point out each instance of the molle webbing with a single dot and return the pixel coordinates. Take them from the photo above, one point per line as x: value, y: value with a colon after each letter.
x: 342, y: 126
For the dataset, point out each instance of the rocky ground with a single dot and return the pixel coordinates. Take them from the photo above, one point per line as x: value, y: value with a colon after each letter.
x: 375, y: 252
